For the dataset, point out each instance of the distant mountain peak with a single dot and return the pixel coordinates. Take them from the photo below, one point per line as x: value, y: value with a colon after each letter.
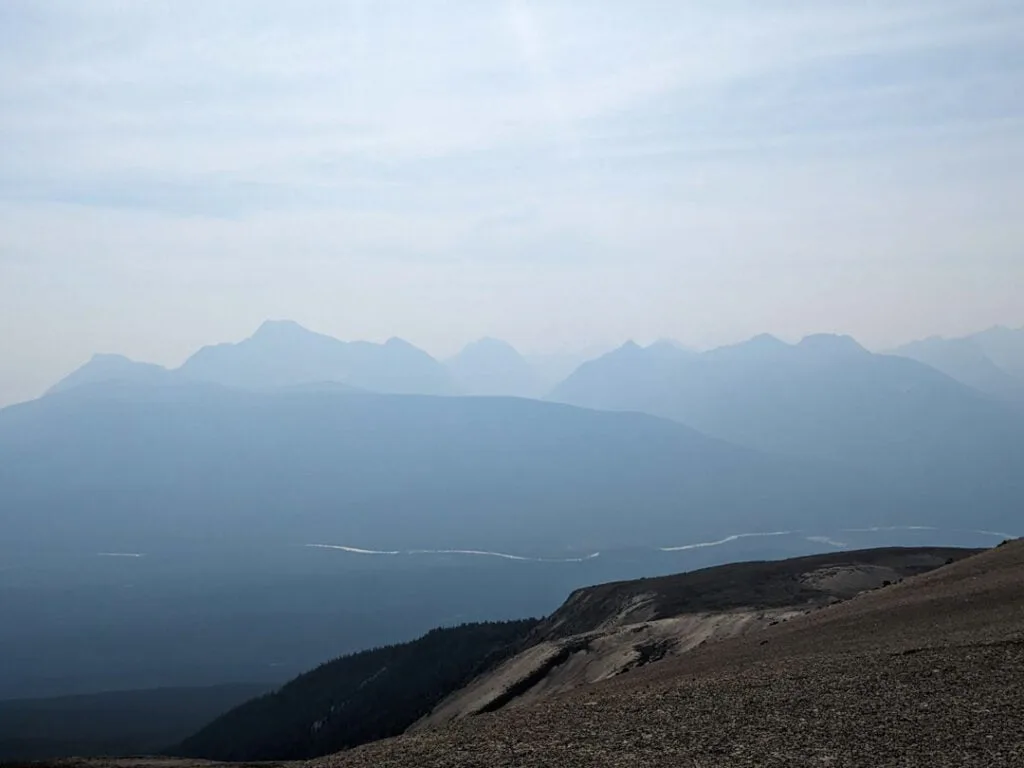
x: 999, y: 331
x: 488, y: 349
x: 832, y: 342
x: 667, y: 341
x: 766, y: 340
x: 282, y: 353
x: 111, y: 357
x: 763, y: 343
x: 671, y: 346
x: 396, y: 343
x: 109, y: 367
x: 490, y: 366
x: 279, y: 329
x: 487, y: 343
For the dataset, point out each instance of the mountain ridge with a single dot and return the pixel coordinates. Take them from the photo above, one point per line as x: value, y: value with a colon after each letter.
x: 603, y: 631
x: 824, y: 396
x: 281, y: 354
x: 490, y: 366
x: 990, y: 361
x: 399, y: 455
x: 356, y: 698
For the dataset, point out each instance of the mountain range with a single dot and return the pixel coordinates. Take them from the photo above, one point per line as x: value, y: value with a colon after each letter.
x: 762, y: 435
x: 116, y: 467
x: 283, y: 354
x: 826, y: 396
x: 991, y: 361
x: 253, y: 498
x: 896, y: 422
x: 494, y: 367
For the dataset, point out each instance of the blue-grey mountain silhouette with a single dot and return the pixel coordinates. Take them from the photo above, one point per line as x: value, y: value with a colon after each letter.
x: 494, y: 367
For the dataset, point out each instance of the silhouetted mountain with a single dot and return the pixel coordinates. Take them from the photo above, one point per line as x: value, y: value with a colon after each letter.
x: 117, y: 467
x: 966, y: 361
x: 358, y: 698
x: 493, y: 367
x: 114, y: 466
x: 283, y: 353
x: 553, y: 367
x: 991, y: 361
x: 106, y: 368
x: 1004, y: 347
x: 671, y: 343
x: 826, y: 397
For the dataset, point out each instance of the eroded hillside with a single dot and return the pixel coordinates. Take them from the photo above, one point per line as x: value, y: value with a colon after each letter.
x: 929, y: 672
x: 604, y: 631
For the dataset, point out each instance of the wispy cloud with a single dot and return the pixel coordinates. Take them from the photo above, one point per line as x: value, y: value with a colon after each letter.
x: 337, y: 96
x: 806, y: 164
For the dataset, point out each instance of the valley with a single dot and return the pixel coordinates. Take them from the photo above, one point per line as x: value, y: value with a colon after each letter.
x: 915, y: 669
x: 190, y: 530
x: 511, y: 384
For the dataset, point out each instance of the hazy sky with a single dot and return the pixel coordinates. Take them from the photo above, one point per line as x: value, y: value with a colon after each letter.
x: 554, y: 173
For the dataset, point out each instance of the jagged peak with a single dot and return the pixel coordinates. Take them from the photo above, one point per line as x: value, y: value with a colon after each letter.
x: 490, y: 342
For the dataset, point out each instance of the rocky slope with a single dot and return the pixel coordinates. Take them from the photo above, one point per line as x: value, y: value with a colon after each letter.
x: 603, y: 631
x: 929, y: 672
x: 925, y: 672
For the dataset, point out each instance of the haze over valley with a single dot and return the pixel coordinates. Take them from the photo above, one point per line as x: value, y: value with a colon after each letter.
x: 259, y: 473
x: 511, y: 383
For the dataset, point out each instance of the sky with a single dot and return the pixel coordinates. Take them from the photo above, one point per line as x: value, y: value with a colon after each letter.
x: 557, y: 174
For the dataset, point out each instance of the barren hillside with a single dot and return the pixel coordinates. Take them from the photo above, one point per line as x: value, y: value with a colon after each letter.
x: 929, y: 672
x: 606, y: 630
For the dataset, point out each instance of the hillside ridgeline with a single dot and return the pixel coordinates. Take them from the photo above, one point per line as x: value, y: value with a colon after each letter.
x: 357, y: 698
x: 603, y: 631
x: 927, y: 672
